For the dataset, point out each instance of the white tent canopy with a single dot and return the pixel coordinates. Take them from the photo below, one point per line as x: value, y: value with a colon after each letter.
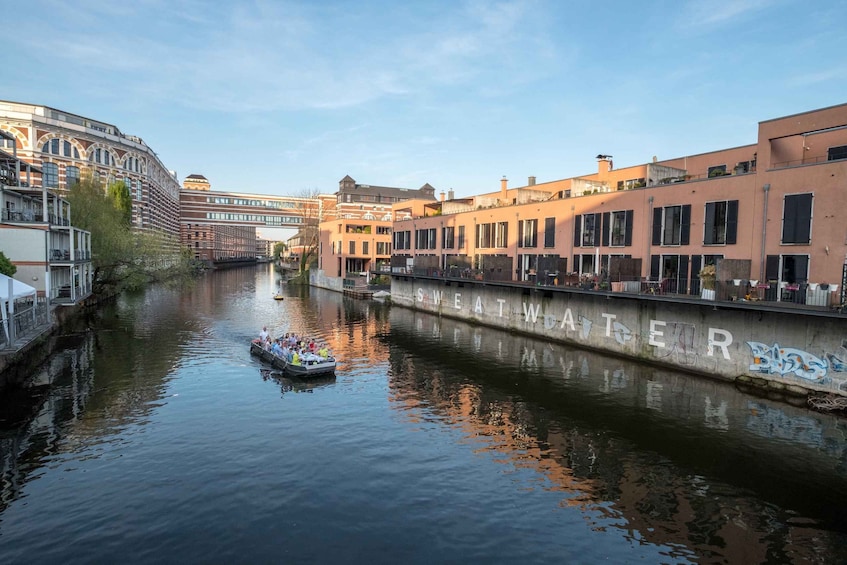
x: 11, y: 290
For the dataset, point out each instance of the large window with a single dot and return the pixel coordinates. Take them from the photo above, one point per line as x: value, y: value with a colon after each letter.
x: 672, y: 225
x: 447, y: 240
x: 402, y: 239
x: 617, y: 228
x: 586, y: 230
x: 102, y: 156
x: 549, y: 232
x: 492, y: 235
x: 461, y: 237
x: 834, y: 153
x: 797, y: 218
x: 425, y: 238
x: 352, y: 247
x: 366, y: 247
x: 528, y: 233
x: 717, y: 171
x: 721, y: 222
x: 501, y: 234
x: 50, y: 179
x: 71, y: 176
x: 383, y: 248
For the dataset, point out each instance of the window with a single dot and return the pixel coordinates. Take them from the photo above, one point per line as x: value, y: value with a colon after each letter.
x: 501, y: 234
x: 791, y: 269
x: 425, y: 238
x: 617, y: 228
x: 461, y: 237
x: 138, y: 192
x: 835, y: 153
x: 717, y: 171
x: 586, y: 230
x: 528, y: 233
x: 797, y: 218
x: 721, y: 223
x: 352, y: 248
x: 383, y: 230
x: 671, y: 225
x: 50, y: 178
x: 71, y: 176
x: 549, y: 232
x: 402, y: 239
x: 365, y: 248
x: 447, y: 237
x: 483, y: 236
x: 383, y: 248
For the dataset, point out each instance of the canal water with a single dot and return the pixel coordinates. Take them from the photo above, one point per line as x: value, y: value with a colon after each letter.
x: 152, y: 435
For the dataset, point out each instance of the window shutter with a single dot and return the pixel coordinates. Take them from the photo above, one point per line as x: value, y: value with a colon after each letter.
x: 607, y: 227
x: 628, y: 233
x: 709, y: 224
x: 696, y: 262
x: 801, y: 267
x: 682, y: 285
x: 731, y: 221
x: 654, y: 267
x: 596, y: 238
x: 577, y: 230
x: 772, y: 267
x: 803, y: 226
x: 789, y: 219
x: 686, y: 225
x: 657, y: 226
x: 520, y: 233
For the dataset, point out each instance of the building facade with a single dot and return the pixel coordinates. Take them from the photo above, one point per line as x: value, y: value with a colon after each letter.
x: 770, y: 207
x: 65, y: 146
x: 358, y: 240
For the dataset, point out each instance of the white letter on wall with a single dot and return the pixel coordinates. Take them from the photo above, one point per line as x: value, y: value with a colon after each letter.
x: 654, y: 333
x: 457, y: 301
x: 723, y: 343
x: 501, y: 301
x: 609, y: 318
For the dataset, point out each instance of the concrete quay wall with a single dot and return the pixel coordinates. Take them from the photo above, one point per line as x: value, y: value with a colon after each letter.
x: 786, y: 350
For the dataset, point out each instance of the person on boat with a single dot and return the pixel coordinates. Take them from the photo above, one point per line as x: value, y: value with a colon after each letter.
x: 295, y: 358
x: 276, y: 349
x: 263, y: 335
x: 323, y: 352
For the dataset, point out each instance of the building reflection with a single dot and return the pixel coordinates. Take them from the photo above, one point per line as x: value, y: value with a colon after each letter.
x: 660, y: 455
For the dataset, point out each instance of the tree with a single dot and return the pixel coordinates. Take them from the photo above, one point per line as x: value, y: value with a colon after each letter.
x: 279, y: 249
x: 313, y: 209
x: 6, y: 266
x: 123, y: 258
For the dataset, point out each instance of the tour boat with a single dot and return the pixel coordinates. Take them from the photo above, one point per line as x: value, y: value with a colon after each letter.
x: 305, y: 369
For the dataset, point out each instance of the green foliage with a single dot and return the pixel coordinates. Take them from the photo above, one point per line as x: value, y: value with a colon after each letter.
x: 279, y: 249
x: 122, y: 200
x: 123, y: 258
x: 6, y: 266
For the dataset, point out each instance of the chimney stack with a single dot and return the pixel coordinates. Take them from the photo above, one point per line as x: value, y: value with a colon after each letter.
x: 531, y: 181
x: 450, y: 195
x: 604, y: 163
x: 442, y: 196
x: 504, y: 191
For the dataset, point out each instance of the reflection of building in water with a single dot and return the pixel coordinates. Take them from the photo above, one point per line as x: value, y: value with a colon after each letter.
x: 618, y: 439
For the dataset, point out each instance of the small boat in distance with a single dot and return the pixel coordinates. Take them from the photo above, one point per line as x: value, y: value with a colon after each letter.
x: 279, y: 297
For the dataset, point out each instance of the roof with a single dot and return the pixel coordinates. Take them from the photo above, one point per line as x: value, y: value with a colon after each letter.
x: 196, y: 177
x: 426, y: 191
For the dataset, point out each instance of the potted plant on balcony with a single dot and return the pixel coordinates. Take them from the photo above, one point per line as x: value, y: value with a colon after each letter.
x: 707, y: 282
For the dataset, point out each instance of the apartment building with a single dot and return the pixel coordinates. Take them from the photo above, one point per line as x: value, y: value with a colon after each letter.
x: 63, y: 146
x: 771, y: 207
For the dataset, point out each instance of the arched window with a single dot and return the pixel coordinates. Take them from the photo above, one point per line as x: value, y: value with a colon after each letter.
x: 71, y: 176
x: 50, y: 177
x: 102, y: 157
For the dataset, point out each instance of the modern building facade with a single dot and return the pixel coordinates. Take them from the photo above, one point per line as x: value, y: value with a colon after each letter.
x: 771, y: 207
x: 358, y: 240
x: 38, y: 236
x: 65, y: 146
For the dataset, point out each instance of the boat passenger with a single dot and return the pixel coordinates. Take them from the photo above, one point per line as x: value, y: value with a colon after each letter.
x: 276, y: 349
x: 263, y: 335
x: 295, y: 358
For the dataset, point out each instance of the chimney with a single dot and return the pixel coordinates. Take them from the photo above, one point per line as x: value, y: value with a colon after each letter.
x: 442, y: 196
x: 604, y: 163
x: 504, y: 192
x: 530, y: 181
x: 450, y: 194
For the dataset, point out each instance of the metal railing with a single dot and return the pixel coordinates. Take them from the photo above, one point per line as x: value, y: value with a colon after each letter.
x: 30, y: 318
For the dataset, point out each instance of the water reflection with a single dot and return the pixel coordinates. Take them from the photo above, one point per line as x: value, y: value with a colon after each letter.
x: 672, y: 460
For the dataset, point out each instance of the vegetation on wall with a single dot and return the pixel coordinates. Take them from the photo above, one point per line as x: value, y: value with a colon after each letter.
x: 6, y: 266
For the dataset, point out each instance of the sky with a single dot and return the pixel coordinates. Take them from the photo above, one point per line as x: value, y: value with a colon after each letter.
x: 288, y: 97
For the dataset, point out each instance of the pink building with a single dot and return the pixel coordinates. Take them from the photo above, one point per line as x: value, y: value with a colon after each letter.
x: 770, y: 207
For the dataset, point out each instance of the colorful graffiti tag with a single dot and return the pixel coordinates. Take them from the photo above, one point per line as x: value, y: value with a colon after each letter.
x: 787, y: 360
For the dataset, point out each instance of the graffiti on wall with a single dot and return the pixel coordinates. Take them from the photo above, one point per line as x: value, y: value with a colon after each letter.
x: 773, y: 359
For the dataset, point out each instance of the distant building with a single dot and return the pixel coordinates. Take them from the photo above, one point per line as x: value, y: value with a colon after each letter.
x: 357, y: 241
x: 196, y: 182
x: 63, y: 146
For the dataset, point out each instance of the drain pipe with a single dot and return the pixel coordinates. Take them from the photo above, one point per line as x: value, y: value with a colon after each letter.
x: 649, y: 234
x: 766, y: 188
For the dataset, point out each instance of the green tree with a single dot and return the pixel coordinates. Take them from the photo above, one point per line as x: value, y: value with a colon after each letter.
x: 279, y: 249
x: 6, y: 266
x: 123, y: 258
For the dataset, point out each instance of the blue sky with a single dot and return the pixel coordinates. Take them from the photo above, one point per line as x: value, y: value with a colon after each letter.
x: 278, y: 97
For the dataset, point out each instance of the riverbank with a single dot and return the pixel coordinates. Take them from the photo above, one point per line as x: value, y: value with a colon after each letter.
x: 788, y: 352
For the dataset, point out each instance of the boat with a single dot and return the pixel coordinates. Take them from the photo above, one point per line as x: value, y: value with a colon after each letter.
x: 279, y: 297
x: 305, y: 369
